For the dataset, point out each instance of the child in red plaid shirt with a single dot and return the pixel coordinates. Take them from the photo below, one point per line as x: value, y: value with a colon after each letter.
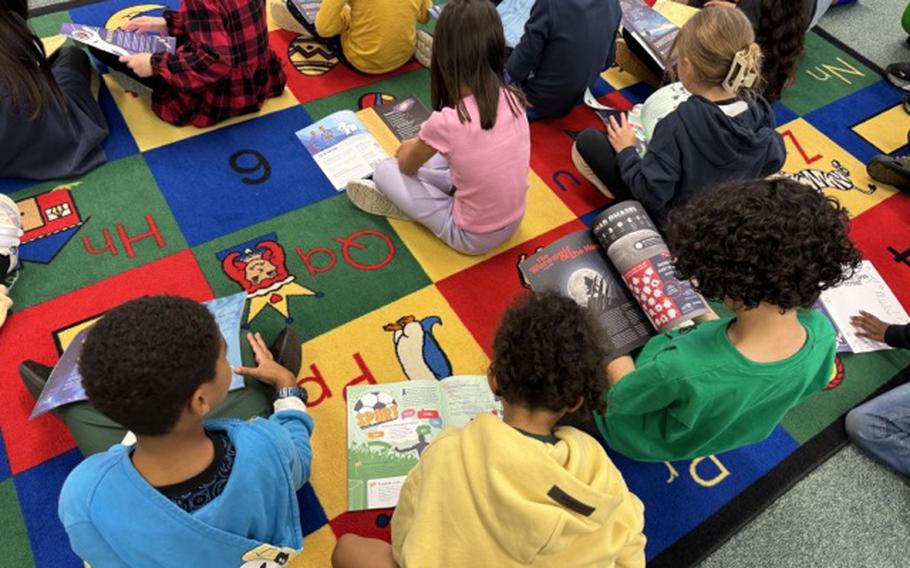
x: 222, y: 67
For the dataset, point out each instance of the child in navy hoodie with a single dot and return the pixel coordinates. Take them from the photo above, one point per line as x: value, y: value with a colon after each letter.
x: 565, y: 46
x: 723, y: 132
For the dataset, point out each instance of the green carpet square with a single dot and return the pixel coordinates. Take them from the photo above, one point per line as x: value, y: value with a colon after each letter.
x: 415, y: 83
x: 49, y: 25
x: 15, y: 549
x: 117, y: 204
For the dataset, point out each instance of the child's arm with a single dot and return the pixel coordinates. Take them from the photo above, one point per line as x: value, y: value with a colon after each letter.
x: 205, y: 58
x: 333, y: 17
x: 619, y: 368
x: 875, y: 329
x: 176, y: 22
x: 527, y: 54
x: 423, y: 15
x: 412, y: 154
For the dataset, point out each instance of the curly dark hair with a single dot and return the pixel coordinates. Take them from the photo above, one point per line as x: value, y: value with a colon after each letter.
x: 775, y: 241
x: 781, y: 35
x: 547, y: 353
x: 143, y: 360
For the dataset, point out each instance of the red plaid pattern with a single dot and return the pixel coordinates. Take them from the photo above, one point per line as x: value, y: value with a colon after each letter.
x: 223, y: 66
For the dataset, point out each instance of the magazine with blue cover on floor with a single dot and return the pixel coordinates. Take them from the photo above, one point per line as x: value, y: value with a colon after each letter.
x: 64, y: 386
x: 119, y: 42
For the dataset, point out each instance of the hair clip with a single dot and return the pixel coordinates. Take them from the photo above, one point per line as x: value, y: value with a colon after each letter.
x: 742, y: 74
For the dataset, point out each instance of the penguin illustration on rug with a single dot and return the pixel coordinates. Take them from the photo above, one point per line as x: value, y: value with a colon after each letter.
x: 419, y: 353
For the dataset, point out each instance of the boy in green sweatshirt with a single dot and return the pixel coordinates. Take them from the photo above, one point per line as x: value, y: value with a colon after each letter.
x: 766, y: 249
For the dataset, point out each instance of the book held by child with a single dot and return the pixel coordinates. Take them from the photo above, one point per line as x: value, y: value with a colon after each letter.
x: 655, y: 28
x: 623, y: 272
x: 64, y: 385
x: 347, y: 149
x: 119, y: 42
x: 390, y: 425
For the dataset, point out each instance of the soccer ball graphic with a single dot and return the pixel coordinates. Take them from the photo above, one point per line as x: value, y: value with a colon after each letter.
x: 373, y: 401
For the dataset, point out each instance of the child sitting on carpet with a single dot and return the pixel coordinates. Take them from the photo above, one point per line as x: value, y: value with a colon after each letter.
x: 50, y: 123
x: 208, y: 493
x: 519, y: 491
x: 565, y: 47
x: 767, y: 249
x: 723, y: 132
x: 465, y: 176
x: 223, y: 66
x: 375, y: 36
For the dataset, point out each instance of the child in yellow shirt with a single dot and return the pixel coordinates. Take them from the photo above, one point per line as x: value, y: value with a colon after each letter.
x: 519, y: 491
x: 376, y: 36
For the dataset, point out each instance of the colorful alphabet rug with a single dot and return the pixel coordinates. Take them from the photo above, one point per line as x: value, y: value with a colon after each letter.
x: 243, y: 207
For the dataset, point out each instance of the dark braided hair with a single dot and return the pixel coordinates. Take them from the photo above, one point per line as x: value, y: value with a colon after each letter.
x: 781, y: 36
x: 548, y: 353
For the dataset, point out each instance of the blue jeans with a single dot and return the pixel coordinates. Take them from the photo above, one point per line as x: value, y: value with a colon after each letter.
x: 881, y: 428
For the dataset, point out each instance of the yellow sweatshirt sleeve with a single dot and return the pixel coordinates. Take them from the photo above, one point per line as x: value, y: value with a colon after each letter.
x: 423, y: 14
x: 333, y: 17
x: 632, y: 554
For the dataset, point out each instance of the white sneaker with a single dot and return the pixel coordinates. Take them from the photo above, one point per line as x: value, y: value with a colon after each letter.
x: 364, y: 195
x: 423, y: 52
x: 282, y: 17
x: 10, y: 230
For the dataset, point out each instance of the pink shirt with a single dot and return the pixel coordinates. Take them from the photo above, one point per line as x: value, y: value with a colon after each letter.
x: 489, y: 167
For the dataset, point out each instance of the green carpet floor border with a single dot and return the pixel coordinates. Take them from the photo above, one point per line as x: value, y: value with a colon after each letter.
x: 61, y: 7
x: 698, y: 544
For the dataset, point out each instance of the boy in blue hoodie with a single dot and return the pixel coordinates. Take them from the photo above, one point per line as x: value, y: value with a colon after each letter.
x: 565, y: 46
x: 189, y: 492
x: 723, y: 132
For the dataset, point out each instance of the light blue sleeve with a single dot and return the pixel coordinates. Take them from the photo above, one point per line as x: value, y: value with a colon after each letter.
x: 90, y: 546
x: 298, y: 425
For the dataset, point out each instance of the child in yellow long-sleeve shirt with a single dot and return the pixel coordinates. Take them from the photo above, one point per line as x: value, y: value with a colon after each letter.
x: 376, y: 36
x: 519, y: 491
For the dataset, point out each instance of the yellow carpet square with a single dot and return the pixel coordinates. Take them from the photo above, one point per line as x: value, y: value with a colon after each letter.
x: 813, y: 159
x: 545, y: 212
x: 362, y: 347
x: 150, y: 132
x: 887, y: 131
x: 619, y: 79
x: 317, y: 549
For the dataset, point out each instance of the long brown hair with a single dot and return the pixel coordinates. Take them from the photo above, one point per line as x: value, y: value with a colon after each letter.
x: 24, y: 68
x: 781, y: 35
x: 469, y: 54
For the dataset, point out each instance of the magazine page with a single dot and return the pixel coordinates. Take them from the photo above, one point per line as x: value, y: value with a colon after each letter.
x: 342, y: 147
x: 650, y: 28
x: 64, y: 386
x: 119, y: 42
x: 389, y: 427
x: 676, y: 12
x: 842, y: 345
x: 640, y: 254
x: 575, y: 266
x: 866, y: 290
x: 514, y: 15
x: 466, y: 397
x: 308, y: 9
x: 403, y: 117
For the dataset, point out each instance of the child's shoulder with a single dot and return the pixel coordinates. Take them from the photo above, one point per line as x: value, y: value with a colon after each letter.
x: 89, y: 476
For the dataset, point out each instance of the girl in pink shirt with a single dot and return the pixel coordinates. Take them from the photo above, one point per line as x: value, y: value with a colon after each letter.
x: 465, y: 177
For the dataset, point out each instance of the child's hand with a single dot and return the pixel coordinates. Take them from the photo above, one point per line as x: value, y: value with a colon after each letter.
x: 620, y: 134
x: 146, y: 25
x: 869, y: 326
x: 140, y: 64
x: 268, y: 370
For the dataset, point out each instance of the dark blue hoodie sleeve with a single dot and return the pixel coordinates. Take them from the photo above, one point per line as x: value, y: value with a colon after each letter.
x: 777, y: 155
x: 654, y: 178
x: 898, y: 336
x: 527, y: 54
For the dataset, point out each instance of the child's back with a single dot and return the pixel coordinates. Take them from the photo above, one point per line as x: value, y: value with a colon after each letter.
x: 377, y: 36
x: 565, y: 47
x: 464, y: 504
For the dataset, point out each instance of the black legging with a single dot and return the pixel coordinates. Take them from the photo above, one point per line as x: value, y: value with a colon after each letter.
x: 595, y: 149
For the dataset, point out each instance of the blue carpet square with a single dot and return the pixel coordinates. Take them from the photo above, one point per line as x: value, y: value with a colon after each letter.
x: 4, y: 461
x: 117, y: 11
x: 312, y: 515
x: 837, y: 119
x: 214, y: 188
x: 38, y: 490
x: 638, y: 92
x: 676, y: 508
x: 119, y: 143
x: 783, y: 114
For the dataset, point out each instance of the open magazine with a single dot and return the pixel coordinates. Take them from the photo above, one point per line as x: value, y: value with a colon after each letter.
x: 654, y: 29
x: 622, y: 271
x: 390, y: 425
x: 513, y: 13
x: 119, y: 42
x: 345, y: 149
x: 866, y: 290
x: 64, y: 386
